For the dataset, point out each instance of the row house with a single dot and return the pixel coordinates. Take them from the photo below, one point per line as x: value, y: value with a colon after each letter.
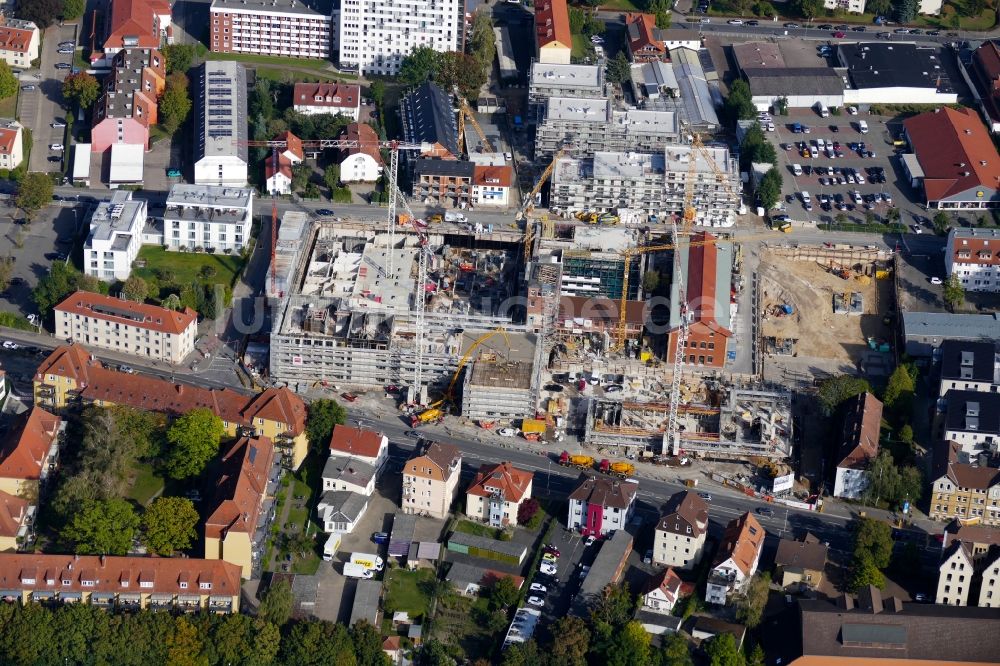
x: 128, y: 106
x: 963, y: 490
x: 972, y: 419
x: 968, y: 579
x: 969, y: 365
x: 600, y: 505
x: 338, y: 99
x: 19, y: 42
x: 430, y: 480
x: 496, y: 493
x: 29, y: 453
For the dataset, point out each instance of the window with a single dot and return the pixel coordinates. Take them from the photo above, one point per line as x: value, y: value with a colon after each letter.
x: 205, y: 586
x: 184, y: 585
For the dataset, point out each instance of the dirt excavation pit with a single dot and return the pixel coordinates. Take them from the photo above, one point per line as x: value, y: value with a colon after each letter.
x: 834, y: 310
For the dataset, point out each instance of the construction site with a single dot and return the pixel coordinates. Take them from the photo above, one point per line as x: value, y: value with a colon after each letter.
x: 825, y: 305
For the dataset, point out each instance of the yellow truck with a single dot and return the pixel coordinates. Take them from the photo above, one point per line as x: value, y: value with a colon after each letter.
x: 619, y: 469
x: 583, y: 462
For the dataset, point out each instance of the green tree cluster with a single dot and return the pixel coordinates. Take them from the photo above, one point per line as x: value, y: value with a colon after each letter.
x: 42, y: 13
x: 73, y: 9
x: 193, y: 440
x: 953, y: 292
x: 833, y: 391
x: 323, y: 415
x: 168, y: 525
x: 34, y: 192
x: 739, y: 104
x: 619, y: 69
x: 750, y: 605
x: 8, y: 82
x: 179, y: 57
x: 898, y: 395
x: 175, y: 102
x: 769, y: 188
x: 61, y: 281
x: 905, y: 10
x: 756, y: 149
x: 888, y: 481
x: 871, y: 554
x: 807, y: 9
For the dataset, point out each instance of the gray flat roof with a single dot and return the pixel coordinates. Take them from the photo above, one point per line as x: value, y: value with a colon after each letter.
x: 892, y: 65
x: 474, y: 541
x: 222, y: 110
x: 952, y: 326
x: 603, y: 572
x: 578, y: 109
x: 366, y: 598
x: 693, y: 84
x: 568, y: 76
x: 304, y: 7
x: 350, y: 470
x: 794, y: 81
x: 217, y: 196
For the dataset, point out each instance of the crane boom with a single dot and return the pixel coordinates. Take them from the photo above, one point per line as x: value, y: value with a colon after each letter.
x: 465, y: 115
x: 529, y: 203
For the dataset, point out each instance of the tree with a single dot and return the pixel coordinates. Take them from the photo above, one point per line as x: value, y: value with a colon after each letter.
x: 756, y: 656
x: 276, y: 606
x: 300, y: 176
x: 835, y: 390
x: 878, y: 7
x: 905, y: 10
x: 81, y: 88
x: 872, y: 553
x: 650, y: 281
x: 906, y: 434
x: 570, y: 642
x: 522, y: 654
x: 323, y: 415
x: 54, y: 286
x: 503, y: 594
x: 377, y: 90
x: 102, y: 527
x: 73, y: 9
x: 676, y: 651
x: 175, y: 103
x: 34, y: 192
x: 941, y: 222
x: 721, y: 650
x: 368, y: 645
x: 8, y: 82
x: 899, y: 391
x: 135, y: 289
x: 184, y: 645
x: 863, y: 573
x: 6, y: 273
x: 577, y: 17
x: 482, y: 42
x: 171, y: 302
x: 527, y: 511
x: 663, y: 19
x: 739, y: 104
x: 750, y: 605
x: 179, y: 57
x: 421, y: 64
x: 194, y: 440
x: 619, y: 69
x: 953, y: 292
x: 630, y: 646
x: 462, y: 71
x: 769, y: 189
x: 331, y: 176
x: 169, y: 525
x: 765, y: 9
x: 42, y: 13
x: 615, y: 607
x: 806, y: 8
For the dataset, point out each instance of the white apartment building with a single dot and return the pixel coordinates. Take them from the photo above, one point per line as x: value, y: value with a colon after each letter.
x: 368, y: 446
x: 221, y: 151
x: 496, y: 493
x: 989, y: 582
x: 338, y: 99
x: 430, y: 481
x: 11, y: 144
x: 547, y: 80
x: 600, y: 505
x: 651, y: 183
x: 146, y: 331
x: 215, y: 219
x: 115, y: 237
x: 348, y: 474
x: 853, y: 6
x: 292, y: 28
x: 680, y: 536
x: 974, y: 256
x: 19, y: 42
x: 375, y: 35
x: 969, y: 365
x: 973, y: 421
x: 955, y: 576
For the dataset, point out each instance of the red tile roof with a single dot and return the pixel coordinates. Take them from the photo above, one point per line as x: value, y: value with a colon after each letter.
x: 13, y: 511
x: 955, y: 152
x: 552, y: 23
x: 506, y: 478
x: 333, y: 95
x: 14, y: 39
x: 862, y: 421
x: 284, y: 166
x: 742, y: 541
x: 701, y: 275
x: 666, y: 581
x: 492, y: 176
x: 973, y: 246
x: 640, y: 29
x: 605, y: 492
x: 128, y: 313
x: 240, y: 488
x: 355, y: 441
x: 8, y: 139
x: 118, y: 574
x: 280, y: 405
x: 23, y: 451
x: 133, y: 18
x: 366, y: 138
x: 72, y: 361
x: 294, y: 144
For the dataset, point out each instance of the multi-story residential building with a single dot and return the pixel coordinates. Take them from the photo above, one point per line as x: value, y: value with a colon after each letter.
x: 650, y: 183
x: 30, y: 452
x: 139, y: 329
x: 973, y: 255
x: 707, y: 267
x: 495, y: 495
x: 375, y: 35
x: 133, y: 24
x: 428, y: 117
x: 278, y: 165
x: 122, y: 583
x: 962, y: 490
x: 16, y: 520
x: 368, y: 446
x: 600, y: 505
x: 680, y: 534
x: 19, y: 42
x: 70, y: 375
x: 11, y: 144
x: 430, y: 480
x: 361, y: 163
x: 553, y: 38
x: 115, y: 236
x: 973, y: 421
x: 736, y: 560
x: 989, y: 579
x: 240, y: 490
x: 348, y: 474
x: 583, y: 126
x: 955, y: 576
x: 221, y: 153
x: 338, y: 99
x: 214, y: 219
x: 443, y: 182
x: 491, y: 186
x: 547, y: 80
x: 984, y: 70
x: 858, y: 445
x: 662, y: 591
x: 800, y: 563
x: 852, y: 6
x: 643, y: 42
x: 128, y: 107
x: 292, y: 28
x: 969, y: 365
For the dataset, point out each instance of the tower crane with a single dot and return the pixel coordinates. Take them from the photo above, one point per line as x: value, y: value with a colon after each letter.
x: 690, y: 213
x: 465, y: 115
x: 529, y: 203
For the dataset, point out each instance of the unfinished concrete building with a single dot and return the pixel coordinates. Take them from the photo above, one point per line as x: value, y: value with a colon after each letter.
x: 584, y: 126
x: 345, y: 312
x: 495, y: 389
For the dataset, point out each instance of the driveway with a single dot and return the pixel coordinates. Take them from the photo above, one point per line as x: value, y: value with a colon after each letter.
x: 53, y: 230
x: 40, y: 106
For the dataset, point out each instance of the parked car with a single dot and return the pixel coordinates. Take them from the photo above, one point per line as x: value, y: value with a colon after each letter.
x: 324, y: 212
x: 63, y: 65
x: 936, y: 280
x: 647, y: 558
x: 535, y: 600
x: 589, y: 541
x: 735, y: 21
x: 55, y: 146
x: 64, y: 45
x: 551, y: 549
x: 380, y: 537
x: 58, y: 123
x: 28, y: 88
x: 507, y: 432
x: 765, y: 511
x: 548, y: 568
x: 792, y: 25
x: 705, y: 496
x: 7, y: 344
x: 538, y: 587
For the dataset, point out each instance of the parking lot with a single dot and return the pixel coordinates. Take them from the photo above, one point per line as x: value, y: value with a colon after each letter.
x: 38, y: 108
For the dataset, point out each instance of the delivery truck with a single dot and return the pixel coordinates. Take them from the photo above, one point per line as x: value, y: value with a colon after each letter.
x: 352, y: 570
x: 368, y: 560
x: 331, y: 547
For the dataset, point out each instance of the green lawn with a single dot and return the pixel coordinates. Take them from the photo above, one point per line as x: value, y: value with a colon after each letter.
x: 457, y: 621
x: 8, y: 106
x: 619, y: 5
x: 271, y: 60
x: 186, y: 266
x: 11, y: 320
x: 582, y: 47
x: 477, y: 529
x: 404, y: 591
x: 146, y: 485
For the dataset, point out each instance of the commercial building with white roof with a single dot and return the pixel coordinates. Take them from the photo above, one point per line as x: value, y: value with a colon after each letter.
x: 209, y: 218
x: 221, y: 151
x: 115, y: 236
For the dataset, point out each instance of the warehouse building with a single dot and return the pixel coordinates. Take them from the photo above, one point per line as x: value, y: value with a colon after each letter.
x: 770, y: 77
x: 607, y: 569
x: 895, y: 73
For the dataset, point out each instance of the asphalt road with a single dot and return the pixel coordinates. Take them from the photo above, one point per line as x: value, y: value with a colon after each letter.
x: 38, y: 108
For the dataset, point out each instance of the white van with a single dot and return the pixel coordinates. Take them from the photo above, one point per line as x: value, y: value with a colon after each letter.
x: 805, y: 197
x: 863, y: 127
x: 822, y: 110
x: 797, y: 169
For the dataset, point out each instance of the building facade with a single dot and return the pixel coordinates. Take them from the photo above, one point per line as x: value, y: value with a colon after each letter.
x: 496, y: 494
x: 969, y: 365
x: 643, y: 44
x: 430, y: 480
x: 553, y: 39
x: 662, y: 592
x: 291, y: 28
x: 128, y: 107
x: 30, y: 452
x: 858, y: 445
x: 147, y: 331
x: 443, y: 182
x: 19, y: 42
x: 375, y: 36
x: 207, y: 218
x: 600, y: 505
x: 679, y: 541
x: 338, y: 99
x: 955, y: 576
x: 800, y: 563
x: 491, y: 186
x: 363, y: 162
x: 11, y: 144
x: 581, y: 127
x: 737, y: 559
x: 973, y: 256
x: 368, y: 446
x: 220, y: 151
x: 852, y: 6
x: 972, y: 420
x: 115, y: 237
x: 962, y: 490
x: 547, y: 80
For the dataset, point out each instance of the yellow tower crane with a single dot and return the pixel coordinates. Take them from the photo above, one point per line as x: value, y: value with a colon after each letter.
x: 690, y: 213
x: 465, y: 115
x: 529, y: 203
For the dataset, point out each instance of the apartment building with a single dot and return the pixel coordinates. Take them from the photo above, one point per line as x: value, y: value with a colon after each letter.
x: 231, y: 529
x: 147, y: 331
x: 348, y: 474
x: 361, y: 163
x: 115, y: 236
x: 491, y: 186
x: 858, y: 445
x: 30, y: 452
x: 964, y: 488
x: 583, y: 126
x: 19, y: 42
x: 553, y: 38
x: 17, y: 516
x: 973, y: 255
x: 989, y: 579
x: 128, y: 106
x: 209, y: 218
x: 11, y: 144
x: 374, y: 35
x: 736, y: 560
x: 443, y: 182
x: 70, y: 376
x: 600, y: 505
x: 973, y: 421
x: 340, y: 511
x: 337, y: 99
x: 852, y: 6
x: 430, y: 480
x: 644, y: 44
x: 220, y: 151
x: 278, y: 165
x: 653, y: 184
x: 291, y: 28
x: 679, y: 540
x: 367, y: 446
x: 428, y: 117
x: 547, y: 80
x: 496, y: 493
x: 969, y: 365
x: 133, y: 24
x: 955, y: 576
x: 122, y: 583
x: 800, y: 563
